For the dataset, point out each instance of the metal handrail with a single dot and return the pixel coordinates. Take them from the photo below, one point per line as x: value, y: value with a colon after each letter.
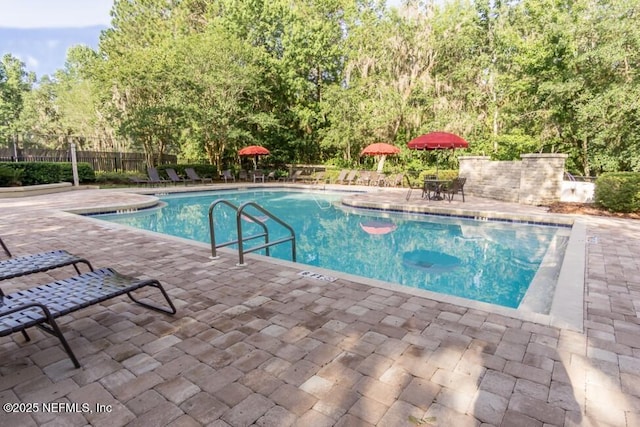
x: 240, y: 240
x: 267, y: 244
x: 214, y: 254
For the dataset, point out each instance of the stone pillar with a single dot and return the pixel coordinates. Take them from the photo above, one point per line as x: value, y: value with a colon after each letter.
x: 541, y: 178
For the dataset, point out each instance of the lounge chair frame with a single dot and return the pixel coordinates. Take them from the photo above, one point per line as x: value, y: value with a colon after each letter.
x: 36, y: 263
x: 41, y: 305
x: 175, y: 178
x: 191, y: 173
x: 154, y: 177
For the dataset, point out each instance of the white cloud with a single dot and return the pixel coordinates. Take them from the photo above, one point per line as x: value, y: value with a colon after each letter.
x: 54, y: 13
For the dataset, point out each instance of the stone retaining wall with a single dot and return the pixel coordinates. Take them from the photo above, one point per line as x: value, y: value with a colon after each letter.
x: 534, y: 180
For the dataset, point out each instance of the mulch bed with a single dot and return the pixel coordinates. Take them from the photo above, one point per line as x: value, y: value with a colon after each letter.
x: 589, y: 209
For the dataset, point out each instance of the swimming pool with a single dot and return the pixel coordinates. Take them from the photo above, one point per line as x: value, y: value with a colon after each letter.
x: 487, y: 261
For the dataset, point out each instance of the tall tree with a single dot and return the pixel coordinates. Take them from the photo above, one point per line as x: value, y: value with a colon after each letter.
x: 15, y: 83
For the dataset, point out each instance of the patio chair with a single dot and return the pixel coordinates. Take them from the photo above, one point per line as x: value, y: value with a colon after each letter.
x: 227, y: 175
x: 243, y: 175
x: 412, y: 186
x: 191, y: 173
x: 271, y: 176
x: 175, y: 178
x: 154, y: 177
x: 258, y: 175
x: 41, y: 305
x: 455, y: 186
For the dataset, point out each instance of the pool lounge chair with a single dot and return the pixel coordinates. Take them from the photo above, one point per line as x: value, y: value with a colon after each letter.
x: 341, y: 176
x: 154, y: 177
x: 318, y: 177
x: 191, y: 173
x: 295, y: 176
x: 394, y: 180
x: 138, y: 181
x: 36, y: 263
x: 175, y: 178
x: 351, y: 177
x: 41, y: 305
x: 364, y: 178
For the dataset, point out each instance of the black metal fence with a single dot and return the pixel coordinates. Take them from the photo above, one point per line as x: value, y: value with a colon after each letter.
x: 100, y: 160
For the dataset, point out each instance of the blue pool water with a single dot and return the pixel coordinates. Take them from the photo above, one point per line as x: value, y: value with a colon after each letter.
x: 481, y: 260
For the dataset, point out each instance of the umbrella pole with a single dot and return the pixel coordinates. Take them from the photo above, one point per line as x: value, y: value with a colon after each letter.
x: 381, y: 163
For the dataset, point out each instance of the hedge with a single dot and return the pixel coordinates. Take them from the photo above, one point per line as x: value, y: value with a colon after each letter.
x: 34, y: 173
x: 618, y: 191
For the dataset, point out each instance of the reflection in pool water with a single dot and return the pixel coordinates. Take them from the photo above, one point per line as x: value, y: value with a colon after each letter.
x: 481, y: 260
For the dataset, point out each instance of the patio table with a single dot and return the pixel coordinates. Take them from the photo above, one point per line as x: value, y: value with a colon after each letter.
x: 433, y: 188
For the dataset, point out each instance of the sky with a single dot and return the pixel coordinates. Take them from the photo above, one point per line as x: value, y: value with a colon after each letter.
x: 54, y: 13
x: 39, y: 32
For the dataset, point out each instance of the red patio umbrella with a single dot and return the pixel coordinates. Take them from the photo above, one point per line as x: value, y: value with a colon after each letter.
x: 437, y: 141
x: 380, y: 149
x: 253, y: 150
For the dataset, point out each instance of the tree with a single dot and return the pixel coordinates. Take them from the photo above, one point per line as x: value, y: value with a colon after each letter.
x: 218, y: 88
x: 15, y: 83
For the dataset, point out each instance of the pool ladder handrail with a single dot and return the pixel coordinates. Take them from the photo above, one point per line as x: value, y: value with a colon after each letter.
x: 240, y: 241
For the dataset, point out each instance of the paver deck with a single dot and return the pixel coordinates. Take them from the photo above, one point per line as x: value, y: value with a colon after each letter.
x: 262, y: 345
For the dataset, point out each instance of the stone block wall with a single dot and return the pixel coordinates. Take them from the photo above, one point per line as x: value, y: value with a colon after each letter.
x: 535, y: 180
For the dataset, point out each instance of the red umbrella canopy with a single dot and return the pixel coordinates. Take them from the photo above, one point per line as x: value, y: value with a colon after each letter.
x: 437, y: 140
x: 253, y: 150
x: 378, y: 227
x: 379, y: 149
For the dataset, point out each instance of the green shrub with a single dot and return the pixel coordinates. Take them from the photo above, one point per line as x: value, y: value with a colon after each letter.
x: 10, y: 176
x: 203, y: 170
x: 618, y: 191
x: 116, y: 178
x: 85, y: 172
x: 34, y: 173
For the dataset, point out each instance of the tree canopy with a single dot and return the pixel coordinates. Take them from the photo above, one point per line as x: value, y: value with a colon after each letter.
x: 317, y: 80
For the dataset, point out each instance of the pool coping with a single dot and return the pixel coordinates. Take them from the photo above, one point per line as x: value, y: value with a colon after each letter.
x: 567, y: 308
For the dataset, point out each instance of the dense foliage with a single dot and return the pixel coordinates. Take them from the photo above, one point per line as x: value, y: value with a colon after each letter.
x: 317, y: 80
x: 618, y: 192
x: 32, y: 173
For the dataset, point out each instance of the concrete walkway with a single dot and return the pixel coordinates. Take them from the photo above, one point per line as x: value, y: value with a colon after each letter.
x: 262, y: 345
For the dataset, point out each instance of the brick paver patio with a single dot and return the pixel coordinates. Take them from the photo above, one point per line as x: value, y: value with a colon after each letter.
x: 262, y: 345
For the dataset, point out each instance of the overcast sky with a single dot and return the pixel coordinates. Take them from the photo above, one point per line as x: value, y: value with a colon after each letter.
x: 54, y: 13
